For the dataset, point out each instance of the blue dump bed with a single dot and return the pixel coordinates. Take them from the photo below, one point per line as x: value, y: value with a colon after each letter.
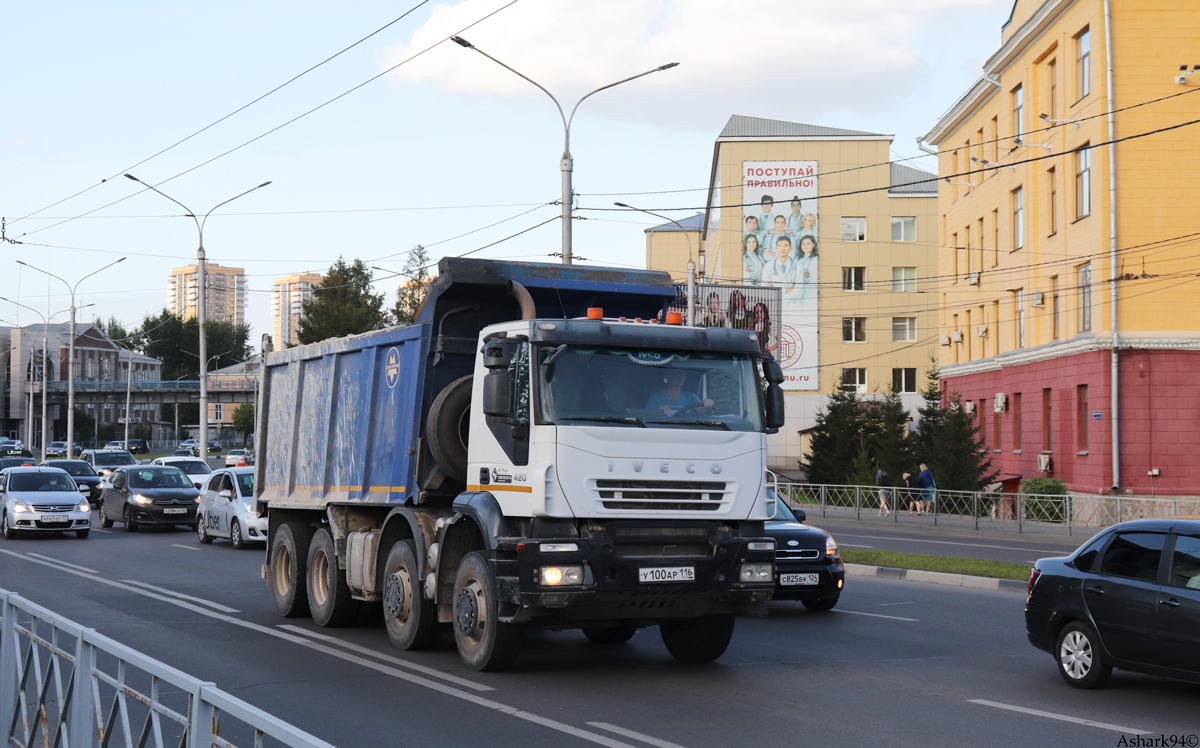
x: 343, y: 421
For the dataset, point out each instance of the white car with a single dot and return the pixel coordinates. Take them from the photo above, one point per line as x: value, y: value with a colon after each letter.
x: 42, y: 499
x: 197, y: 470
x: 227, y: 509
x: 234, y: 456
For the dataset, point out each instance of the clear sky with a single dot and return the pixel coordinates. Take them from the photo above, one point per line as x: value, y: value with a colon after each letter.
x: 433, y: 152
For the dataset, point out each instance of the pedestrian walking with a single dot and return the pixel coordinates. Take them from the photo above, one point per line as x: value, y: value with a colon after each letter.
x: 927, y: 485
x: 883, y: 482
x: 912, y: 483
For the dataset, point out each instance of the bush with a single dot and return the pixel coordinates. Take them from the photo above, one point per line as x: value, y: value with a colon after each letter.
x: 1045, y: 486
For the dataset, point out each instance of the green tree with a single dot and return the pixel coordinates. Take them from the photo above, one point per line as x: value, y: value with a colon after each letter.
x: 176, y: 343
x: 342, y: 305
x: 959, y: 461
x: 862, y: 468
x: 890, y: 443
x: 414, y: 287
x: 243, y: 420
x: 118, y: 333
x: 923, y: 445
x: 836, y: 439
x: 85, y: 425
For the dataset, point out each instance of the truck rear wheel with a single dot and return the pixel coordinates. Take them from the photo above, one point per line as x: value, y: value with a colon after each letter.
x: 484, y: 643
x: 329, y: 598
x: 411, y: 620
x: 698, y: 639
x: 447, y: 428
x: 289, y: 551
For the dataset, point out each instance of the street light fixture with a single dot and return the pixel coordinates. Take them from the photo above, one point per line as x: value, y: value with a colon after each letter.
x: 691, y: 266
x: 566, y: 164
x: 202, y: 306
x: 71, y: 348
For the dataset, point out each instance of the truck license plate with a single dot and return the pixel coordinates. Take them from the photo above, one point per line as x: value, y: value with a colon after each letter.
x: 667, y: 574
x: 792, y: 580
x: 175, y: 510
x: 55, y: 518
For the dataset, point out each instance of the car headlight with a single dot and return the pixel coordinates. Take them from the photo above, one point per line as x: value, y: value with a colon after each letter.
x: 139, y: 499
x: 83, y: 506
x: 197, y: 499
x: 830, y: 546
x: 756, y: 573
x: 556, y: 576
x: 20, y: 506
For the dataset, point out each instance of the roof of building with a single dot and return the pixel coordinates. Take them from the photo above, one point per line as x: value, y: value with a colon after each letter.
x: 909, y: 181
x: 691, y: 223
x: 240, y: 369
x: 740, y: 126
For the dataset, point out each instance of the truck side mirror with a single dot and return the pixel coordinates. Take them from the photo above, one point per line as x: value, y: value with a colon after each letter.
x: 497, y: 394
x: 774, y: 407
x: 498, y: 353
x: 772, y: 371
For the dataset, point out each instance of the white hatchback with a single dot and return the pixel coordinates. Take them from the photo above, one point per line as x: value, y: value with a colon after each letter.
x: 42, y: 499
x: 227, y: 509
x: 197, y: 470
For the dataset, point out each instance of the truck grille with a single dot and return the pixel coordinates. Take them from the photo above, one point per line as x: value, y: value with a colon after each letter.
x: 661, y: 542
x: 658, y: 495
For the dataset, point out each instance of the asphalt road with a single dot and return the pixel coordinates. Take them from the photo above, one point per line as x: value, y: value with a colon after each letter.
x: 897, y: 663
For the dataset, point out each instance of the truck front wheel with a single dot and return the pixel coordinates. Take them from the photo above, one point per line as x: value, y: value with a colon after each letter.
x: 698, y: 639
x: 329, y: 598
x: 411, y: 620
x: 484, y: 643
x: 289, y: 551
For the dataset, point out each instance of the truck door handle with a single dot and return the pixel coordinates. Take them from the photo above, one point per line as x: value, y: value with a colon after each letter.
x: 1172, y: 603
x: 1096, y: 590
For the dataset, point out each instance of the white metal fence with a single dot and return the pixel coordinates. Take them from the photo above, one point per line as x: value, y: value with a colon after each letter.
x: 66, y: 686
x: 983, y: 508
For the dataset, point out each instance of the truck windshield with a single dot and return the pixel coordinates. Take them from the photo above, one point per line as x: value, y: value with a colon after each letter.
x: 642, y: 387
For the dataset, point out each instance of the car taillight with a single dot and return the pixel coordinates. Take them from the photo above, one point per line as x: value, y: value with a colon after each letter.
x: 1034, y: 573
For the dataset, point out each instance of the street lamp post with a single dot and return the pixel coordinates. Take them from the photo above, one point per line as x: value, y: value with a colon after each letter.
x: 202, y: 305
x: 691, y: 265
x: 566, y: 163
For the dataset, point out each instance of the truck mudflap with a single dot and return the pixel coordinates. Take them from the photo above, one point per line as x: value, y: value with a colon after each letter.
x: 600, y: 580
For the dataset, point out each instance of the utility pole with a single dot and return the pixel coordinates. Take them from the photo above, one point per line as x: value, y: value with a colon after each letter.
x: 128, y: 396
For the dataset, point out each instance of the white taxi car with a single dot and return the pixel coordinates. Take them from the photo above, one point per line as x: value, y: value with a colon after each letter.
x: 227, y: 509
x: 42, y: 499
x: 197, y: 470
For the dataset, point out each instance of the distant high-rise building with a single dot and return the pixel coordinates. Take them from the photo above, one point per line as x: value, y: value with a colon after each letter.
x: 226, y: 299
x: 290, y: 293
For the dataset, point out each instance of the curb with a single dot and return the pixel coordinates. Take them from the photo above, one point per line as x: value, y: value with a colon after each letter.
x: 937, y: 577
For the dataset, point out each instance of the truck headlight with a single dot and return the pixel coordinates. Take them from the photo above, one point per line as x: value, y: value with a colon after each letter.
x: 558, y: 547
x: 762, y: 545
x: 830, y: 546
x: 557, y: 576
x: 139, y: 499
x: 756, y: 573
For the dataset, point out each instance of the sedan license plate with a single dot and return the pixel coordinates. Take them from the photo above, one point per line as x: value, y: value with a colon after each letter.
x: 175, y: 510
x: 667, y: 574
x: 793, y: 580
x: 55, y: 518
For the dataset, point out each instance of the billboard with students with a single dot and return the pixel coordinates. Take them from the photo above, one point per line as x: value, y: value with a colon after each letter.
x: 780, y: 249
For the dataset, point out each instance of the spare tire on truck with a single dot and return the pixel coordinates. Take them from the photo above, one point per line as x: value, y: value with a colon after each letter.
x: 448, y: 428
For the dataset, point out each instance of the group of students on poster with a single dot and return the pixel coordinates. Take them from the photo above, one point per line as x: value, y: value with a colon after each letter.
x: 781, y: 250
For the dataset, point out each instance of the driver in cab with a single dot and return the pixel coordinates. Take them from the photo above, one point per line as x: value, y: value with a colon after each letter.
x: 672, y: 398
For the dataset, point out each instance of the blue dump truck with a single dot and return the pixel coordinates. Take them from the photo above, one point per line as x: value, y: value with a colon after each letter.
x: 536, y: 450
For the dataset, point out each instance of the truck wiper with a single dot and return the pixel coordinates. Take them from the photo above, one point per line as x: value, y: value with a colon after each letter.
x: 606, y: 419
x: 722, y: 424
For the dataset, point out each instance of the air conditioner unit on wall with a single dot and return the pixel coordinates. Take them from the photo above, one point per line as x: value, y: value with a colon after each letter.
x: 956, y: 336
x: 969, y: 406
x: 981, y: 331
x: 1037, y: 298
x: 1044, y: 463
x: 973, y: 279
x: 945, y: 340
x: 1000, y: 402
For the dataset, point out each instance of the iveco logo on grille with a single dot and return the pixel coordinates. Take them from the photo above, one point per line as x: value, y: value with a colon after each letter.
x: 668, y: 467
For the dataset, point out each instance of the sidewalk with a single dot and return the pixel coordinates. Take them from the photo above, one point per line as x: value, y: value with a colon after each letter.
x: 987, y: 527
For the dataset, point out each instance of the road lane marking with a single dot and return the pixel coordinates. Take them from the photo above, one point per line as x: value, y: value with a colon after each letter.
x: 378, y: 667
x: 851, y: 545
x: 180, y: 595
x: 876, y: 615
x: 106, y: 532
x: 626, y: 733
x: 61, y: 562
x: 1060, y: 717
x: 386, y: 658
x: 884, y: 605
x: 1057, y: 551
x: 185, y: 547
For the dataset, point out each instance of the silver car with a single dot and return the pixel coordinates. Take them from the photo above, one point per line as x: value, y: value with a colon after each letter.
x: 227, y: 509
x: 197, y: 470
x: 42, y: 499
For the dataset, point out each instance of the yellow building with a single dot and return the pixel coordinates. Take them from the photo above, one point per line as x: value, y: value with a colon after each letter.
x: 1068, y: 290
x: 860, y: 309
x: 290, y: 293
x: 226, y: 298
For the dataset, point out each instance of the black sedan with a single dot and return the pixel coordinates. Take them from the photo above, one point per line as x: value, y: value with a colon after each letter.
x: 1129, y: 598
x: 83, y: 475
x: 148, y: 495
x: 808, y: 567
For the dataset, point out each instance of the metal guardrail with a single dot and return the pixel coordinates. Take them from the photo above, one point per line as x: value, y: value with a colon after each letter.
x: 1022, y: 510
x: 66, y: 686
x: 149, y: 385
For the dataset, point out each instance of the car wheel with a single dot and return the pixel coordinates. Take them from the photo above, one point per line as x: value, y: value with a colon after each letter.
x: 484, y: 643
x: 235, y: 536
x: 81, y: 534
x: 289, y: 549
x: 822, y: 603
x: 698, y: 639
x: 1081, y: 661
x: 202, y: 531
x: 613, y: 635
x: 411, y: 620
x: 104, y: 520
x: 131, y: 524
x: 329, y: 598
x: 5, y: 529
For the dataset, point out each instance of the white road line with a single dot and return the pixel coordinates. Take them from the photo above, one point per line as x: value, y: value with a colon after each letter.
x: 61, y: 562
x: 884, y: 605
x: 378, y: 667
x: 387, y: 658
x: 181, y: 596
x: 106, y: 532
x: 1056, y: 551
x: 625, y: 733
x: 876, y: 615
x: 1061, y: 717
x: 185, y: 547
x: 851, y: 545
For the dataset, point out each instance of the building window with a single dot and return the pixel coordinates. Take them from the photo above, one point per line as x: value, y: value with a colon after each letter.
x: 218, y: 411
x: 854, y: 329
x: 1083, y: 182
x: 904, y: 380
x: 981, y: 418
x: 904, y: 228
x: 1047, y: 419
x: 904, y: 329
x: 954, y: 243
x: 996, y: 426
x: 995, y: 237
x: 1018, y: 111
x: 1081, y: 418
x: 904, y: 280
x: 1084, y: 282
x: 854, y: 380
x: 854, y: 229
x: 1019, y: 297
x: 853, y: 279
x: 1055, y: 310
x: 1052, y: 69
x: 1016, y: 409
x: 1018, y: 218
x: 1052, y: 215
x: 1083, y: 58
